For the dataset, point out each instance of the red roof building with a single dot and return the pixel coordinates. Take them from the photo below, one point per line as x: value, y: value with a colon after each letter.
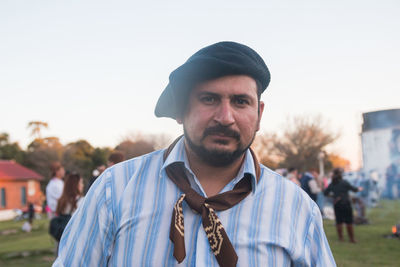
x: 19, y: 186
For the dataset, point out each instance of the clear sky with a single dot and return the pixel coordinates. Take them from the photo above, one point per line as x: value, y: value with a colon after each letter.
x: 95, y: 69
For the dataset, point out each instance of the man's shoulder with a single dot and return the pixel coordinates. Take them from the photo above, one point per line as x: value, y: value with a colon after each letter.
x: 117, y: 178
x: 267, y: 172
x: 152, y: 157
x: 54, y: 183
x: 125, y: 170
x: 269, y: 176
x: 346, y: 183
x: 278, y: 193
x: 274, y: 181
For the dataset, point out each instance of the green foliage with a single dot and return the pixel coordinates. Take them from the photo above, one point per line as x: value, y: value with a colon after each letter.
x: 136, y: 148
x: 100, y: 156
x: 10, y: 151
x: 77, y: 157
x: 41, y: 153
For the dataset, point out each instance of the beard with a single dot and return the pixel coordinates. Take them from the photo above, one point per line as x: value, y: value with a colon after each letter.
x: 218, y: 157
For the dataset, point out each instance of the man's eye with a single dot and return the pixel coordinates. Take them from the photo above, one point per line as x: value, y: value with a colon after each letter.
x: 241, y: 101
x: 208, y: 99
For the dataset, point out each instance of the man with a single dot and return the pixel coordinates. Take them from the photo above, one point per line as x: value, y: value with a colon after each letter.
x: 115, y: 157
x: 55, y: 188
x: 227, y: 209
x: 95, y: 174
x: 310, y: 185
x: 292, y: 175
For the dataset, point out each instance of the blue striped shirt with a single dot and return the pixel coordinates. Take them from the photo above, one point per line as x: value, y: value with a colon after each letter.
x: 126, y: 216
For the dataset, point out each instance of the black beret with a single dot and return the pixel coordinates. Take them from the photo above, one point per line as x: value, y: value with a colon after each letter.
x: 211, y: 62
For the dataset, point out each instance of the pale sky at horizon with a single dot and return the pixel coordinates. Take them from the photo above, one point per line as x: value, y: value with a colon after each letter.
x: 94, y: 69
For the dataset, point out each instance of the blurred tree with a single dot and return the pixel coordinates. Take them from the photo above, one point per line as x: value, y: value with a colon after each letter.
x: 302, y: 140
x: 263, y: 147
x: 135, y: 148
x: 77, y: 157
x: 10, y: 151
x: 36, y: 127
x: 159, y: 141
x: 41, y: 153
x: 4, y: 139
x: 100, y: 156
x: 338, y: 162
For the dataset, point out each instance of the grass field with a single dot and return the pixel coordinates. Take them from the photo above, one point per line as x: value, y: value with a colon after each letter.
x: 372, y: 249
x: 37, y: 247
x: 18, y: 248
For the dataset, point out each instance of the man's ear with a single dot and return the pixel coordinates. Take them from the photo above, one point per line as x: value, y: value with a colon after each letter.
x: 260, y: 113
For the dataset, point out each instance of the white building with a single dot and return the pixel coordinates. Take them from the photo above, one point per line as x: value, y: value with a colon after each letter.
x: 380, y: 139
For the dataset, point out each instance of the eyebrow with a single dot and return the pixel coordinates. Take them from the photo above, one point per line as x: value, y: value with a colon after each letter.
x: 243, y: 95
x: 207, y: 93
x: 218, y: 95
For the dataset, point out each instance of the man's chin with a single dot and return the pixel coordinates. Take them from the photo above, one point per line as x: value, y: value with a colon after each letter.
x: 219, y: 155
x: 219, y: 158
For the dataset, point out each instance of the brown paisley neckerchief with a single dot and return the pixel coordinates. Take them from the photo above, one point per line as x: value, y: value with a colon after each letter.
x: 206, y: 207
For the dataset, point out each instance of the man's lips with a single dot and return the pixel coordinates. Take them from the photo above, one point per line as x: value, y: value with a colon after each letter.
x: 221, y: 135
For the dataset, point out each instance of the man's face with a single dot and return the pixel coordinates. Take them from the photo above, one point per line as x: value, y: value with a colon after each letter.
x: 60, y: 173
x: 315, y: 174
x: 222, y: 118
x: 81, y: 186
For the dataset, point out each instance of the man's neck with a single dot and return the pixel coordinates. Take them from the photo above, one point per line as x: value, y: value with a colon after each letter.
x: 212, y: 179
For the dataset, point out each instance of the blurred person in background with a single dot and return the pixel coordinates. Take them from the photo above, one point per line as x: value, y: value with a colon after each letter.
x: 374, y: 192
x: 55, y: 188
x: 391, y: 175
x: 115, y: 157
x: 72, y: 195
x: 339, y: 190
x: 70, y: 200
x: 96, y: 173
x: 309, y: 183
x: 359, y: 199
x: 27, y: 226
x: 393, y: 170
x: 293, y: 175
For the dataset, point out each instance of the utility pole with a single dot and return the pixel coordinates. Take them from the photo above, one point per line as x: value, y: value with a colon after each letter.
x: 321, y: 157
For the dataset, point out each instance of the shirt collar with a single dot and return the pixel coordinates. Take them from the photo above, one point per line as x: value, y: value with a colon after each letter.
x: 247, y: 168
x: 178, y: 154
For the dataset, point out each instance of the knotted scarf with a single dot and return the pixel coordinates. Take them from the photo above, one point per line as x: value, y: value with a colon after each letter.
x: 206, y: 207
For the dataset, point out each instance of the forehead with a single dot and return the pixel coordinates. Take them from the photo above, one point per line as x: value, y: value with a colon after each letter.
x: 228, y: 85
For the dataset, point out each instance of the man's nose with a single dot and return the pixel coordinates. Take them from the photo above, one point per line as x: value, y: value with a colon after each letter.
x: 224, y: 114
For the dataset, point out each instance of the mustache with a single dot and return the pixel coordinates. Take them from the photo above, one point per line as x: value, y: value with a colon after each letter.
x: 219, y: 129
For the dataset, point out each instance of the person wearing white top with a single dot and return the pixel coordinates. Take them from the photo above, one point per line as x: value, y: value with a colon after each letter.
x: 55, y: 188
